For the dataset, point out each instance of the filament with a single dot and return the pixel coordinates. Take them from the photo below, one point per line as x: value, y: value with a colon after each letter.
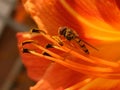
x: 110, y: 71
x: 95, y: 60
x: 91, y: 59
x: 94, y: 71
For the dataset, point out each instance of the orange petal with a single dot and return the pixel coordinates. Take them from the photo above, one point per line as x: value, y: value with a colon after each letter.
x: 102, y: 84
x: 83, y: 16
x: 47, y: 19
x: 94, y: 26
x: 58, y: 76
x: 88, y: 19
x: 40, y: 68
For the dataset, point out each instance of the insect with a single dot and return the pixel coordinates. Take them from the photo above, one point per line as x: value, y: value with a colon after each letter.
x: 70, y: 34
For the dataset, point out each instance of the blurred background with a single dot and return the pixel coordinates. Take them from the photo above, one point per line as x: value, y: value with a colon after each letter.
x: 13, y: 19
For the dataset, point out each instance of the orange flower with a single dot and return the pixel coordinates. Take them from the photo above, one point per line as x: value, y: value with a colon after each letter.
x: 96, y: 22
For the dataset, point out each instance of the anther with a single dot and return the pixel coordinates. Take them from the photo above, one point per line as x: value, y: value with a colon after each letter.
x: 25, y: 50
x: 37, y: 31
x: 49, y: 45
x: 27, y: 42
x: 46, y: 54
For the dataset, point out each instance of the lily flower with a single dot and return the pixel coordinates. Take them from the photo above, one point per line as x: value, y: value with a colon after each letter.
x: 67, y: 66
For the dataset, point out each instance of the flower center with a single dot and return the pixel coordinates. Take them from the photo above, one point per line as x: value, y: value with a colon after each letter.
x: 71, y: 57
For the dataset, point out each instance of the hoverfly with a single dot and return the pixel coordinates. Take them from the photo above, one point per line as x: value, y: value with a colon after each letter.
x: 70, y: 34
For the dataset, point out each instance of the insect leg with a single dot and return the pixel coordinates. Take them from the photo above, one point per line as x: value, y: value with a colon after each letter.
x: 58, y: 40
x: 47, y: 46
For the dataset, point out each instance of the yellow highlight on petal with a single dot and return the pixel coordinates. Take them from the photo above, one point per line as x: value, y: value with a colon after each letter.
x: 98, y: 25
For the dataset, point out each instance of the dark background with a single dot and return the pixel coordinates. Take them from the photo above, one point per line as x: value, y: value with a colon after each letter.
x: 13, y: 19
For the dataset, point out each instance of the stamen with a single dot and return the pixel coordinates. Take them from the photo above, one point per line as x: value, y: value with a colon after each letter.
x: 70, y: 62
x: 46, y: 50
x: 105, y: 62
x: 64, y: 48
x: 49, y: 45
x: 67, y: 50
x: 27, y: 42
x: 45, y: 35
x: 94, y: 71
x: 89, y: 70
x: 76, y: 66
x: 46, y: 54
x: 25, y: 50
x: 94, y: 61
x: 41, y: 48
x: 53, y: 46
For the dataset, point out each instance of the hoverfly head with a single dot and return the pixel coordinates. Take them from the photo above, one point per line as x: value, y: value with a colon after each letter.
x: 62, y: 30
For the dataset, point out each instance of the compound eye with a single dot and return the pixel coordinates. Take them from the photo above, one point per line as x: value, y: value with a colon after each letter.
x: 62, y: 30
